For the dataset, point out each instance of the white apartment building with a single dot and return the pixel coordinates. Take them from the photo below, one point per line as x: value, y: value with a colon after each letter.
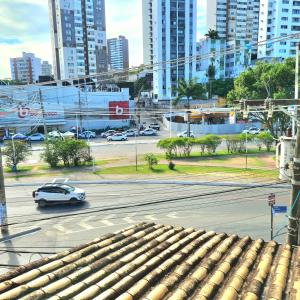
x: 210, y: 52
x: 118, y: 54
x: 46, y: 69
x: 78, y: 36
x: 25, y: 69
x: 237, y: 22
x: 171, y: 36
x: 278, y: 18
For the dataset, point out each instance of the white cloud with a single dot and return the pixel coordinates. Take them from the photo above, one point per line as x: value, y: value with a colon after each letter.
x: 25, y: 24
x: 125, y: 18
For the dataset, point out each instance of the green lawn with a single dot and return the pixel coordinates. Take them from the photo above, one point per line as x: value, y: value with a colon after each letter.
x: 220, y: 155
x: 187, y: 169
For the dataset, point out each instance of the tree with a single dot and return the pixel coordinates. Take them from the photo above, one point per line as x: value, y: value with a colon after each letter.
x: 188, y: 90
x: 69, y: 152
x: 267, y: 139
x: 274, y: 80
x: 151, y: 160
x: 221, y: 87
x: 16, y: 152
x: 211, y: 74
x: 212, y: 34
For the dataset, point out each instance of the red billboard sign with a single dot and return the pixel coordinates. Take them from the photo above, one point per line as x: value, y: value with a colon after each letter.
x: 118, y: 110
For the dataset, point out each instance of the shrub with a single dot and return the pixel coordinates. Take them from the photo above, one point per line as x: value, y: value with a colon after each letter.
x: 50, y: 155
x: 15, y: 152
x: 151, y: 160
x: 267, y: 139
x: 212, y: 142
x: 171, y: 165
x: 69, y: 152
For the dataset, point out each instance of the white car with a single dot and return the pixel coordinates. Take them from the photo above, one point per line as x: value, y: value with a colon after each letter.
x: 36, y: 137
x: 89, y: 134
x: 185, y: 134
x: 55, y: 135
x: 57, y: 193
x: 68, y: 135
x: 117, y: 137
x: 131, y: 132
x: 252, y: 130
x: 148, y: 132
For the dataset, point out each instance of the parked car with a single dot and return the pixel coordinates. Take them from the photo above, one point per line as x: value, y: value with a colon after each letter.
x: 251, y: 130
x: 58, y: 193
x: 117, y: 137
x: 148, y: 132
x: 17, y: 136
x: 154, y: 126
x: 108, y: 133
x: 185, y: 134
x: 36, y: 137
x: 68, y: 135
x: 131, y: 132
x: 55, y: 135
x: 87, y: 135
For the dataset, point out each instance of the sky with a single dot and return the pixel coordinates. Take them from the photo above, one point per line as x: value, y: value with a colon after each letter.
x: 24, y: 26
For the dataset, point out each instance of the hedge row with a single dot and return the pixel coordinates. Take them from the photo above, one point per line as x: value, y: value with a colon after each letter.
x: 175, y: 147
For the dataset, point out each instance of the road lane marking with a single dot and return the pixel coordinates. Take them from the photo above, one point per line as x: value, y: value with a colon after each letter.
x: 129, y: 219
x: 62, y: 229
x: 151, y: 217
x: 84, y: 223
x: 172, y: 215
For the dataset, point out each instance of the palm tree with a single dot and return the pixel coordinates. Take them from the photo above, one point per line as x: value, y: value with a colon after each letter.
x: 188, y: 90
x: 212, y: 34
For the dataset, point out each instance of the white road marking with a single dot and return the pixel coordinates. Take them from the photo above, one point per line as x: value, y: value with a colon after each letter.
x: 151, y: 217
x: 106, y: 221
x: 172, y: 215
x: 62, y: 229
x: 129, y: 218
x: 84, y: 223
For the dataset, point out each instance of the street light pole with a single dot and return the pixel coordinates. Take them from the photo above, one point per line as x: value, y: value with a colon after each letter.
x: 294, y: 218
x: 3, y: 210
x: 14, y: 153
x: 246, y: 150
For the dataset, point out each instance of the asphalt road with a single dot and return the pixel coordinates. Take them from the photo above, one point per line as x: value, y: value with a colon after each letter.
x: 112, y: 207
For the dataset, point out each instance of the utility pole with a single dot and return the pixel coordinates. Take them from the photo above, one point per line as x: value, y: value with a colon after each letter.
x: 43, y: 112
x: 296, y: 88
x: 294, y: 218
x: 3, y: 210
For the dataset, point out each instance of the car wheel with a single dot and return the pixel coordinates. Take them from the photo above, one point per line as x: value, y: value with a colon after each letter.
x: 42, y: 203
x: 74, y: 200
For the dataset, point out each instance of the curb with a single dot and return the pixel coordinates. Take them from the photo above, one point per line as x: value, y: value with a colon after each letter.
x: 19, y: 234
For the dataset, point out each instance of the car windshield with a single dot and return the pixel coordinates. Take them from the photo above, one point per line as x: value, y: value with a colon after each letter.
x: 68, y: 187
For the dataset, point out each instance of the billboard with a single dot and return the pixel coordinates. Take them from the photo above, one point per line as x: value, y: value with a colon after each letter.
x: 118, y: 110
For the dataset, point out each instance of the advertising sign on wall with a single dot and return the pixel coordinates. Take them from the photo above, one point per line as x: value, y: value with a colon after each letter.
x: 118, y: 110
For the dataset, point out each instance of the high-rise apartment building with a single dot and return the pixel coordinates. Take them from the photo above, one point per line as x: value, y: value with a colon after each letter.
x: 118, y: 55
x: 170, y: 29
x: 25, y: 69
x: 78, y: 35
x: 278, y: 18
x: 46, y: 69
x: 237, y: 23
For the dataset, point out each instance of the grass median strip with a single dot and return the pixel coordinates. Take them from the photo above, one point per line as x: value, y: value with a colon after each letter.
x: 188, y: 169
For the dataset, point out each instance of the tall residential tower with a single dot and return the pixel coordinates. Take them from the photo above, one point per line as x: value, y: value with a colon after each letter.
x: 118, y: 55
x: 26, y: 69
x: 78, y: 36
x: 278, y: 18
x: 237, y: 23
x: 170, y: 29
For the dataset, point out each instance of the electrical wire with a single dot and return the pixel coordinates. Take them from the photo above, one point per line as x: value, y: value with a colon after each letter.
x: 114, y: 208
